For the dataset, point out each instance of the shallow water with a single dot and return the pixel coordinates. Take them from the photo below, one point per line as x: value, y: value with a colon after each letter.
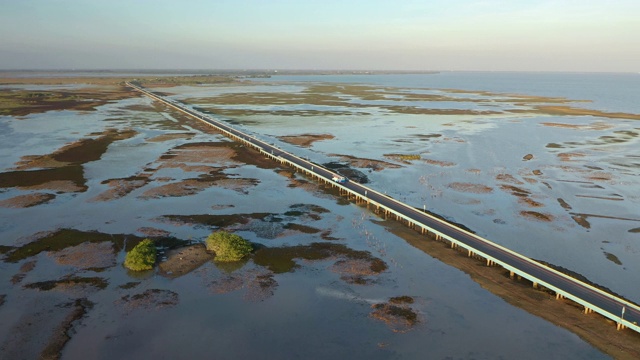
x: 313, y: 313
x: 601, y: 180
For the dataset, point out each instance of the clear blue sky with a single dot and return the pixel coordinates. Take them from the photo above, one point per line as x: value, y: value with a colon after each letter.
x: 528, y: 35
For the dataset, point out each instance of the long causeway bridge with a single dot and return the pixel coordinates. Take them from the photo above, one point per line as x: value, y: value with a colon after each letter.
x: 622, y: 312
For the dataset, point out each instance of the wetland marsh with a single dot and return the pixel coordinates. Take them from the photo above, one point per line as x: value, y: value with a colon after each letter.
x: 88, y: 172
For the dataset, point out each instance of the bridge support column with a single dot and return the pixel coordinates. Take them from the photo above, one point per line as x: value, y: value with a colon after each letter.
x: 535, y: 285
x: 489, y: 262
x: 587, y: 310
x: 559, y: 296
x: 470, y: 254
x: 620, y: 327
x: 512, y: 274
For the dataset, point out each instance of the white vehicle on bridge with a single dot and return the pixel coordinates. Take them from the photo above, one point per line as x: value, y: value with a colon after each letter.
x: 339, y: 179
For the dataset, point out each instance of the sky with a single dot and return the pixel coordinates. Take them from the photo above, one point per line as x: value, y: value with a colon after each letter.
x: 482, y: 35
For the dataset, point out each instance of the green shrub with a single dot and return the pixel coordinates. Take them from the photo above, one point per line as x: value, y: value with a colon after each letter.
x: 228, y: 247
x: 141, y: 257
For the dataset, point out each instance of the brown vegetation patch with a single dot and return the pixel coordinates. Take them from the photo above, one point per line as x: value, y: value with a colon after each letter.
x: 199, y: 153
x: 508, y: 178
x: 141, y: 108
x: 529, y: 202
x: 171, y: 136
x: 271, y: 98
x: 194, y: 157
x: 60, y: 79
x: 62, y: 170
x: 27, y: 200
x: 404, y: 299
x: 77, y: 152
x: 149, y: 299
x: 302, y: 228
x: 404, y: 158
x: 534, y: 215
x: 213, y: 221
x: 121, y: 187
x: 43, y: 329
x: 177, y: 189
x: 513, y: 97
x: 71, y: 284
x: 227, y: 284
x: 415, y: 110
x: 305, y: 209
x: 240, y: 185
x: 28, y: 266
x: 569, y: 156
x: 354, y: 271
x: 514, y: 190
x: 614, y: 259
x: 326, y: 235
x: 308, y: 112
x: 86, y: 256
x: 261, y: 287
x: 398, y: 316
x: 595, y: 126
x: 295, y: 181
x: 582, y: 221
x: 564, y: 204
x: 169, y: 81
x: 153, y: 232
x: 305, y: 140
x: 600, y: 176
x: 281, y: 259
x: 64, y: 179
x: 427, y: 136
x: 184, y: 260
x: 129, y: 285
x: 258, y: 285
x: 60, y: 336
x: 439, y: 163
x: 17, y: 102
x: 24, y: 270
x: 64, y: 238
x: 568, y: 110
x: 470, y: 188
